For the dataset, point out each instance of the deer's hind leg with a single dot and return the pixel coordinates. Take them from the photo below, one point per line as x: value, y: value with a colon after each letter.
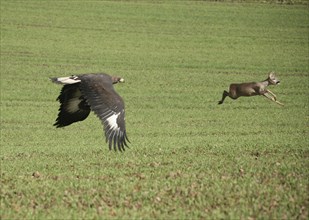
x: 224, y: 95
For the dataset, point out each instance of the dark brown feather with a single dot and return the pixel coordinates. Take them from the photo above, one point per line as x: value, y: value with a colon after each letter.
x: 73, y: 107
x: 99, y: 92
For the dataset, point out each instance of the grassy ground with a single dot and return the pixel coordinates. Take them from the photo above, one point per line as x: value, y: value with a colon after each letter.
x: 189, y: 157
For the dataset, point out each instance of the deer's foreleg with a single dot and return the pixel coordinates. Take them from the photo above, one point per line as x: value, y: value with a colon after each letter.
x: 272, y: 98
x: 268, y: 91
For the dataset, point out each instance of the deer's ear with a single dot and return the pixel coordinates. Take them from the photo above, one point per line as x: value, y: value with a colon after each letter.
x: 271, y: 74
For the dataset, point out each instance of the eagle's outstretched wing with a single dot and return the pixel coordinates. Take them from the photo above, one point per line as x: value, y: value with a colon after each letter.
x: 99, y: 92
x: 73, y: 107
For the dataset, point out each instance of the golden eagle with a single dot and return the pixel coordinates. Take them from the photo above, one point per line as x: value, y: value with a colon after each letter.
x: 85, y: 92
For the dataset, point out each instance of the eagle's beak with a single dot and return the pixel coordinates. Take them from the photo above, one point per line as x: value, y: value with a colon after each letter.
x: 121, y: 80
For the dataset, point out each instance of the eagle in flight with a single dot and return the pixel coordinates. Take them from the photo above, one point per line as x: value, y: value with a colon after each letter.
x: 82, y: 93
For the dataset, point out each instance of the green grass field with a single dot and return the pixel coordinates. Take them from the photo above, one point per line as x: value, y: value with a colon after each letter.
x: 189, y: 157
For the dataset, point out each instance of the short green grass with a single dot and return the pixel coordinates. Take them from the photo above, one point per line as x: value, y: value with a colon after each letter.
x: 188, y: 157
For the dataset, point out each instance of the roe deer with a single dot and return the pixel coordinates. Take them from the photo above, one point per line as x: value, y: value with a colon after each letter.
x: 252, y: 89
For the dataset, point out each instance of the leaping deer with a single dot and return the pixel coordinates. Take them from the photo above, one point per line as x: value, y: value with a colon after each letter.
x: 252, y: 89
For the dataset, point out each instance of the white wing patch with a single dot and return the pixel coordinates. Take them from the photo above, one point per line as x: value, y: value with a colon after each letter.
x: 72, y: 105
x: 112, y: 122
